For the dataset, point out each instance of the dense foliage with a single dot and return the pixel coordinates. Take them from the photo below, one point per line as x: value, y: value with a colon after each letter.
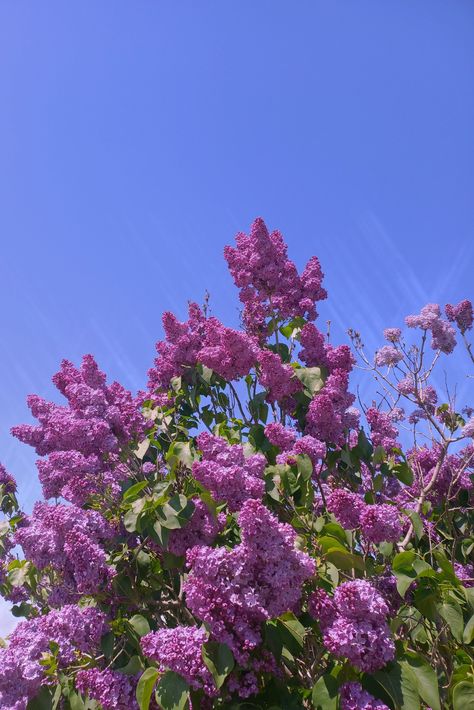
x: 240, y: 535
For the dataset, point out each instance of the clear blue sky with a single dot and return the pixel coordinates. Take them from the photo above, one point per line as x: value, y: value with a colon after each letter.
x: 136, y: 138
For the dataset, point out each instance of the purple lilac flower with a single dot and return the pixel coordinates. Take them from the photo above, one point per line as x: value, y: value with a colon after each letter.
x: 113, y: 690
x: 354, y: 697
x: 462, y: 314
x: 225, y: 471
x: 346, y: 507
x: 380, y: 523
x: 230, y: 353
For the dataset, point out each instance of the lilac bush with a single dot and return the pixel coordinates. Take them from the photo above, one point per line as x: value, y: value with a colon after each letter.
x: 245, y: 533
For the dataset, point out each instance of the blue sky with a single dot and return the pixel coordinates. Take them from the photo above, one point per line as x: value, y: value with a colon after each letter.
x: 136, y: 138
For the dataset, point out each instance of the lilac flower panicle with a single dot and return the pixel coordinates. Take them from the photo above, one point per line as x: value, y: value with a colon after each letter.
x: 72, y: 628
x: 7, y: 480
x: 346, y: 507
x: 462, y: 314
x: 388, y: 355
x: 354, y: 697
x: 179, y: 650
x: 225, y: 471
x: 393, y: 335
x: 429, y: 318
x: 381, y: 523
x: 113, y: 690
x: 230, y: 353
x: 280, y: 436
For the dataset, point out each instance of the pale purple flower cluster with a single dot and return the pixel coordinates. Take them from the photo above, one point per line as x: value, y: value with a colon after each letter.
x: 113, y: 690
x: 380, y: 523
x: 354, y: 697
x: 462, y: 314
x: 454, y: 475
x: 179, y: 351
x: 346, y: 507
x: 97, y: 423
x: 72, y: 628
x: 316, y: 352
x: 233, y: 591
x: 268, y: 281
x: 230, y: 353
x: 382, y: 431
x: 393, y: 335
x: 429, y: 318
x: 68, y: 539
x: 7, y: 480
x: 388, y: 356
x: 315, y: 449
x: 277, y: 378
x: 329, y: 412
x: 354, y: 624
x: 201, y: 529
x: 468, y: 428
x: 179, y: 650
x: 280, y: 436
x: 465, y: 573
x: 226, y: 473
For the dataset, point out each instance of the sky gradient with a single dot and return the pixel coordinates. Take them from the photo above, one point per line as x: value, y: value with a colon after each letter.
x: 136, y: 139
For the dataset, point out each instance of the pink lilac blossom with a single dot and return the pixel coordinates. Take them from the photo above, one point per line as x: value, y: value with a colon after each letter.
x: 233, y: 591
x: 429, y: 318
x: 406, y: 386
x: 179, y: 650
x: 354, y: 697
x: 382, y: 431
x: 346, y: 507
x: 72, y: 628
x: 468, y: 428
x: 462, y: 314
x: 179, y: 351
x: 277, y: 378
x: 392, y: 334
x: 316, y: 352
x: 381, y: 523
x: 329, y: 412
x: 230, y: 353
x: 7, y: 480
x: 268, y: 281
x: 85, y: 437
x: 388, y: 356
x: 226, y: 473
x: 113, y: 690
x: 69, y: 539
x: 354, y: 625
x: 280, y: 436
x: 308, y: 445
x: 465, y: 573
x: 201, y: 529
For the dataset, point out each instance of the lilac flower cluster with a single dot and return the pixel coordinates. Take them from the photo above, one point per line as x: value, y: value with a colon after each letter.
x: 179, y: 350
x: 7, y: 480
x: 225, y: 471
x: 230, y: 353
x: 329, y: 412
x: 268, y: 281
x: 69, y: 540
x: 382, y: 431
x: 277, y: 378
x: 179, y: 650
x: 442, y: 332
x: 354, y: 697
x: 388, y: 355
x: 462, y: 314
x: 353, y: 624
x: 84, y: 438
x: 72, y: 628
x: 113, y: 690
x: 280, y: 436
x: 233, y: 591
x: 201, y: 529
x: 379, y: 522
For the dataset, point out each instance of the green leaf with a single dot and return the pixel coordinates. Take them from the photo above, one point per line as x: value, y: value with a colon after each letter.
x: 172, y: 692
x: 131, y: 493
x: 311, y: 378
x: 403, y: 472
x: 219, y: 659
x: 139, y: 624
x: 451, y: 612
x: 142, y: 448
x: 345, y: 560
x: 133, y: 667
x: 145, y: 687
x: 463, y: 696
x: 468, y: 634
x: 305, y: 466
x: 42, y: 701
x: 416, y: 522
x: 424, y: 679
x: 325, y: 693
x: 397, y: 681
x: 402, y: 567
